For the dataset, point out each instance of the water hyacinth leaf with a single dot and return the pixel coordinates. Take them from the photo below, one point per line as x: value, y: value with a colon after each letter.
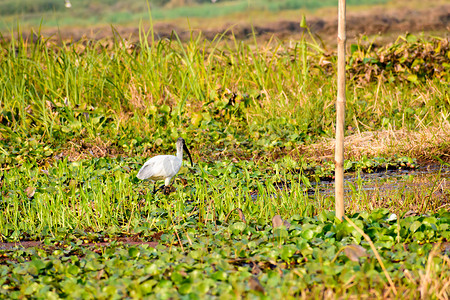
x: 322, y: 217
x: 288, y: 251
x: 133, y: 252
x: 32, y: 288
x: 414, y: 226
x: 238, y: 227
x: 419, y: 235
x: 308, y: 234
x: 274, y: 279
x: 73, y: 269
x: 431, y: 221
x: 38, y: 264
x: 196, y: 254
x: 220, y: 275
x: 165, y: 109
x: 280, y: 233
x: 147, y: 286
x: 392, y: 217
x: 177, y: 276
x: 378, y: 214
x: 203, y: 287
x: 355, y: 252
x: 185, y: 288
x: 444, y: 227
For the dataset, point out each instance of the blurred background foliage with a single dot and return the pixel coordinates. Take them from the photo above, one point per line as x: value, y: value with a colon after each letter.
x: 85, y: 12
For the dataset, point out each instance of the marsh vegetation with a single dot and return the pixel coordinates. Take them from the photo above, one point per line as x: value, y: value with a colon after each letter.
x: 78, y: 119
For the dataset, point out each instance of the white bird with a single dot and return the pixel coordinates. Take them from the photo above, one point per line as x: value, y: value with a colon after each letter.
x: 164, y: 167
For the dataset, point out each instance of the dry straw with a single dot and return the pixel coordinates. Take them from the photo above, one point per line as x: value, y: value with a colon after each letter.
x: 426, y: 143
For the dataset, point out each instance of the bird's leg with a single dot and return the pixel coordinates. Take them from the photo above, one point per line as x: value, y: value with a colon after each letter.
x: 154, y: 188
x: 161, y: 188
x: 166, y: 190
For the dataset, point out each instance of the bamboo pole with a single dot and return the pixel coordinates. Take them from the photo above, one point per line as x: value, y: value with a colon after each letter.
x: 340, y: 115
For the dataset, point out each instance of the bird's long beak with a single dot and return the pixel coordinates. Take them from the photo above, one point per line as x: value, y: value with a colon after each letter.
x: 185, y: 148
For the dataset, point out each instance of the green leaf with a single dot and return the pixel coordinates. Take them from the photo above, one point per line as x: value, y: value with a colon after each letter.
x: 353, y: 48
x: 220, y: 275
x: 348, y: 164
x: 410, y: 38
x: 280, y: 233
x: 196, y: 118
x: 32, y: 288
x: 133, y: 252
x: 38, y: 264
x: 238, y: 227
x: 196, y: 254
x: 147, y: 286
x: 414, y: 226
x: 73, y: 269
x: 303, y: 23
x: 165, y: 109
x: 288, y: 251
x: 413, y: 78
x: 419, y: 235
x: 308, y: 234
x: 185, y: 288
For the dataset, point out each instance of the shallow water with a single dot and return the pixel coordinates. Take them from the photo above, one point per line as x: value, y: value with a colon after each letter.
x: 435, y: 176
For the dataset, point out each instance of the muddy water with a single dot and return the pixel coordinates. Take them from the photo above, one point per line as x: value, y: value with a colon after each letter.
x: 436, y: 178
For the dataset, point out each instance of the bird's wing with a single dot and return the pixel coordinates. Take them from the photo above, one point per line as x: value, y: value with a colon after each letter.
x: 160, y: 167
x: 146, y: 171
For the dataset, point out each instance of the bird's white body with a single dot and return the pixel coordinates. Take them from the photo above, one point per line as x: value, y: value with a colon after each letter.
x: 164, y: 167
x: 161, y: 167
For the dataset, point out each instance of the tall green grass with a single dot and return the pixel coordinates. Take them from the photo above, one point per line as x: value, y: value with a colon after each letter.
x: 103, y: 196
x: 218, y: 93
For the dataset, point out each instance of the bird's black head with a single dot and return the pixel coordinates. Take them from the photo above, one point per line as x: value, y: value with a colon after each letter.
x: 185, y: 148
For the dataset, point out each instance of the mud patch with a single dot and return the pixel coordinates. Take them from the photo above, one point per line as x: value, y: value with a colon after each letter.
x: 128, y: 241
x: 369, y: 22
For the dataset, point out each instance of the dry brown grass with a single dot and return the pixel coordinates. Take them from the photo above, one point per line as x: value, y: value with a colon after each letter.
x: 78, y: 150
x: 434, y: 283
x: 426, y: 144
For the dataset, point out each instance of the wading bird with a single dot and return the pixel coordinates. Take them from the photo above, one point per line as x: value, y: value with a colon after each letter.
x: 164, y: 167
